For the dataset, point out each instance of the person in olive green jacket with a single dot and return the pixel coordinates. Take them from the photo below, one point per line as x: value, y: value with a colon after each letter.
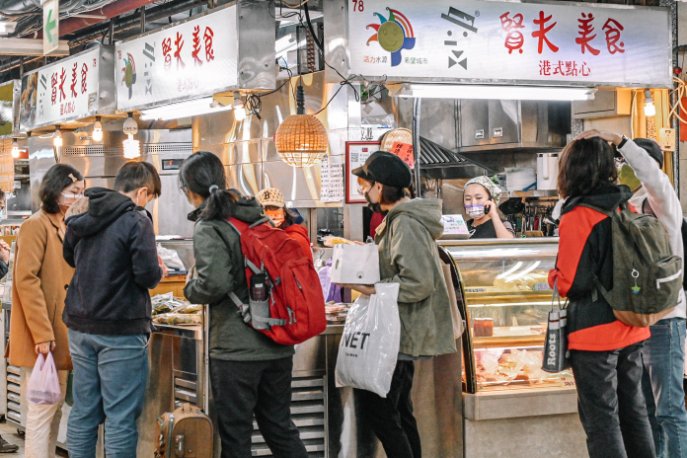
x: 249, y: 373
x: 408, y: 255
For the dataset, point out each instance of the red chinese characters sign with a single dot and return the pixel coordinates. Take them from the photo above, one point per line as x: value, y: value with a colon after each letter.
x: 502, y: 41
x: 65, y: 90
x: 195, y: 58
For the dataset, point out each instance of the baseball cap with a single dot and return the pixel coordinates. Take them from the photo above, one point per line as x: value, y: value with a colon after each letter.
x: 271, y: 197
x: 385, y: 168
x: 652, y: 148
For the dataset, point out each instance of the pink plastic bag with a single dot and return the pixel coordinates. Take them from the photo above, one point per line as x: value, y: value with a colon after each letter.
x: 44, y: 386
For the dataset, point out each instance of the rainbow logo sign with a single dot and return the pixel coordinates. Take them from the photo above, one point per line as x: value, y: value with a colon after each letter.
x: 393, y: 34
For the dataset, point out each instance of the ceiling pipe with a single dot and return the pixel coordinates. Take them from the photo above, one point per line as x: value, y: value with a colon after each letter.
x: 74, y: 24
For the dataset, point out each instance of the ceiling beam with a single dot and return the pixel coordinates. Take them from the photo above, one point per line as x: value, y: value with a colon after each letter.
x: 29, y: 47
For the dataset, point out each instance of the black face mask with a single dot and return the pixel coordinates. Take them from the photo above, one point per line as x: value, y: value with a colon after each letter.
x: 375, y: 207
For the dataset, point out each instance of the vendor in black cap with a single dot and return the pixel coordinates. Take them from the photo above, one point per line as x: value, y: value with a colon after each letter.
x: 408, y: 256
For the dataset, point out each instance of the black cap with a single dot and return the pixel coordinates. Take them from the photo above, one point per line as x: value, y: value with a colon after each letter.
x: 385, y: 168
x: 652, y: 148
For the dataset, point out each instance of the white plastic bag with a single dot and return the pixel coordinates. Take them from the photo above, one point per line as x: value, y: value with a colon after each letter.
x: 171, y: 258
x: 44, y: 386
x: 355, y: 264
x: 369, y: 345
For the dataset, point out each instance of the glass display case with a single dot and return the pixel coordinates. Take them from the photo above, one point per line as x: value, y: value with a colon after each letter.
x: 505, y: 299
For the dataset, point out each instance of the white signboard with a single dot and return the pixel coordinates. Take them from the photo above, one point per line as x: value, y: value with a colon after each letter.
x: 332, y: 180
x: 507, y: 41
x: 51, y: 26
x: 194, y: 59
x: 356, y: 155
x: 63, y: 91
x: 454, y: 225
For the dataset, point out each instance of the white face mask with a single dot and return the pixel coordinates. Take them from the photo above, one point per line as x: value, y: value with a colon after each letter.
x: 475, y: 211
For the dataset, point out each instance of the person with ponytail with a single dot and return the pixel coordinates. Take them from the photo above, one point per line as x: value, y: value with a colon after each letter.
x: 249, y: 373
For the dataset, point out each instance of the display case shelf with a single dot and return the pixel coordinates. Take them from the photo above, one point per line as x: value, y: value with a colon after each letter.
x: 506, y: 296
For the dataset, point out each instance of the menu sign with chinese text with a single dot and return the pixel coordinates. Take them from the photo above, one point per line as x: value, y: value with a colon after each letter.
x: 193, y: 59
x: 64, y: 91
x: 356, y: 155
x: 506, y: 41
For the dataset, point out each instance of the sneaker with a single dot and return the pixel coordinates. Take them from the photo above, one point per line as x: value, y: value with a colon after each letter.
x: 6, y: 447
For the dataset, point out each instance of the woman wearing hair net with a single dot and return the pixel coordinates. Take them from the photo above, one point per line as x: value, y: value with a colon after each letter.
x: 481, y: 200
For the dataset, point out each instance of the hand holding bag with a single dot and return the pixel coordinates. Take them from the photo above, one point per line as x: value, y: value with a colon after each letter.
x: 44, y: 386
x: 370, y: 342
x: 556, y: 343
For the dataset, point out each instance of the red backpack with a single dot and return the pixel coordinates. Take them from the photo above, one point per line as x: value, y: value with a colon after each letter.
x: 291, y: 285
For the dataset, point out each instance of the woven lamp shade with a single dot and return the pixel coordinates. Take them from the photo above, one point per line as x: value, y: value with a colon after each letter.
x: 301, y: 140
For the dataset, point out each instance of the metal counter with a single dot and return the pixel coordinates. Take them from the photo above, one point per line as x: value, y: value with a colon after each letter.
x: 326, y: 416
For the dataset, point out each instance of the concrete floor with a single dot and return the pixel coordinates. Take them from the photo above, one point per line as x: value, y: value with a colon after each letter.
x: 9, y: 433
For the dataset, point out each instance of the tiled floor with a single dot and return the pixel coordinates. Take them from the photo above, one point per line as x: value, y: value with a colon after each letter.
x: 9, y: 433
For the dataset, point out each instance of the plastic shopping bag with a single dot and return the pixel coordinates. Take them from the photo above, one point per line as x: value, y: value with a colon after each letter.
x: 369, y: 345
x: 44, y: 387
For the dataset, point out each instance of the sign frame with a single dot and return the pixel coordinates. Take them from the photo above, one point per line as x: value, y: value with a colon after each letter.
x: 254, y: 46
x: 338, y: 50
x: 103, y: 104
x: 355, y: 147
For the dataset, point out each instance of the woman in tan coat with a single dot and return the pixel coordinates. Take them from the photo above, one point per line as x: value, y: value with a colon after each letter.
x: 40, y: 278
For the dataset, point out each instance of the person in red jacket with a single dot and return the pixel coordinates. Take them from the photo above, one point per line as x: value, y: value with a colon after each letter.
x: 605, y: 354
x: 272, y: 201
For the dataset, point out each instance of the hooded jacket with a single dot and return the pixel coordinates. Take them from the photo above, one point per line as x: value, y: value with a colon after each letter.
x: 219, y: 270
x: 585, y: 251
x: 112, y: 246
x: 408, y: 255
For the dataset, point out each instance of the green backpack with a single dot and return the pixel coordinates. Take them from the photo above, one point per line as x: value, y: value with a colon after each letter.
x: 647, y: 277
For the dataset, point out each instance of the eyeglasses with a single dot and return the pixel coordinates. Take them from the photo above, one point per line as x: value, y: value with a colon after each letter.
x: 362, y: 189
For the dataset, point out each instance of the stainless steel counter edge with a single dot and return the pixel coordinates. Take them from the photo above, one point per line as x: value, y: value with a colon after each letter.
x: 519, y: 403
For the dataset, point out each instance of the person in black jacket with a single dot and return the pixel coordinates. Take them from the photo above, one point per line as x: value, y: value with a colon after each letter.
x: 108, y: 310
x: 605, y: 353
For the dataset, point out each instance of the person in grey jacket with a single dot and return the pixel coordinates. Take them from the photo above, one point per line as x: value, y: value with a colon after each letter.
x: 664, y: 352
x: 408, y: 255
x: 249, y: 373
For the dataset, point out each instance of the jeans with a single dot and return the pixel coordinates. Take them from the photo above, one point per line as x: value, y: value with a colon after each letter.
x: 42, y: 421
x: 611, y: 402
x: 110, y: 376
x: 243, y: 388
x: 392, y: 418
x: 664, y: 361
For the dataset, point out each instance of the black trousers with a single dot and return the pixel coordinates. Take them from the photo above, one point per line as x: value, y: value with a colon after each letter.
x: 391, y: 418
x: 243, y: 388
x: 612, y: 404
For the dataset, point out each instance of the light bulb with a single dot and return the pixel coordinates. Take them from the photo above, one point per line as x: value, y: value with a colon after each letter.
x: 132, y: 148
x: 57, y: 139
x: 239, y: 108
x: 15, y: 149
x: 130, y: 126
x: 97, y: 134
x: 649, y: 107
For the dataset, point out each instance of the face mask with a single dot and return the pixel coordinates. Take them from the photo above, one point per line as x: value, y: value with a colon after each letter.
x: 627, y: 177
x: 475, y: 211
x: 374, y: 206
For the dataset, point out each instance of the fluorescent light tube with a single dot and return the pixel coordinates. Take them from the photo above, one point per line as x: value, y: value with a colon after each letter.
x: 184, y: 109
x: 467, y: 91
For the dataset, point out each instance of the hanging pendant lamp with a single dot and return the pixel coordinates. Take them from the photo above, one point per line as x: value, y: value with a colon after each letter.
x: 301, y: 140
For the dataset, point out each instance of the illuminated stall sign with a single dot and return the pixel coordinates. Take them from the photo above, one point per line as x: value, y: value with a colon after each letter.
x: 67, y: 90
x: 505, y: 41
x: 193, y: 59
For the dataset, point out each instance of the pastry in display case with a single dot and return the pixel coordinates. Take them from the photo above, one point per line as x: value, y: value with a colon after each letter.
x: 507, y: 299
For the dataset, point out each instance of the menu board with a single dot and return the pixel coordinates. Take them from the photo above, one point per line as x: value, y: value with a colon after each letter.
x: 356, y: 155
x: 331, y: 179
